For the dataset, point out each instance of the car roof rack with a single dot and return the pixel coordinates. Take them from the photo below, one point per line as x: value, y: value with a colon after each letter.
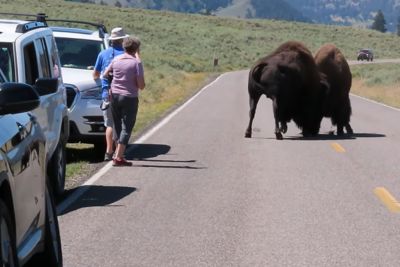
x: 28, y: 26
x: 43, y: 18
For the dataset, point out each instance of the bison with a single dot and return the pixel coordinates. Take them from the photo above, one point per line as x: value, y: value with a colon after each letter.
x: 289, y: 77
x: 334, y: 68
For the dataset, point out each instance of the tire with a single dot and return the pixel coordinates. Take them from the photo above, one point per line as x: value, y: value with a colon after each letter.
x: 56, y: 170
x: 52, y: 254
x: 99, y: 148
x: 8, y: 256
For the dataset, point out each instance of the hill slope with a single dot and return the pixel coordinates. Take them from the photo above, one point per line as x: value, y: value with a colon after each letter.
x: 341, y: 12
x: 178, y: 49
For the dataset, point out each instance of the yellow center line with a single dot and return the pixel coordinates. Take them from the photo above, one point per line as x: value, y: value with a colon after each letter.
x: 338, y: 148
x: 391, y: 203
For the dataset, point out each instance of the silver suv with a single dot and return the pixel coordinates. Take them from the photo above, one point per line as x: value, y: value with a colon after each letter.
x: 28, y: 221
x: 78, y: 49
x: 28, y: 52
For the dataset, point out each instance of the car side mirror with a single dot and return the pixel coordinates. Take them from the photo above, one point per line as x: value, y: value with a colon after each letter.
x: 17, y: 98
x: 46, y: 86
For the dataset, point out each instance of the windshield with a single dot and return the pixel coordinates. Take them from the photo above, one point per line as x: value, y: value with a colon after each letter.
x: 78, y: 53
x: 6, y: 62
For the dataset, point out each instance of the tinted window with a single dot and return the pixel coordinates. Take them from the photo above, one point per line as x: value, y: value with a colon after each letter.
x: 78, y: 53
x: 7, y: 62
x: 43, y: 58
x: 54, y: 60
x: 31, y: 64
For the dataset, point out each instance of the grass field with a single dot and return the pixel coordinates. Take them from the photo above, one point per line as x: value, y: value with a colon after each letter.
x: 178, y: 50
x: 379, y: 82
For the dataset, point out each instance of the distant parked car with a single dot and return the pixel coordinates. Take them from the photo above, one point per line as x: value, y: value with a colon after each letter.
x: 28, y: 219
x: 78, y: 49
x: 365, y: 54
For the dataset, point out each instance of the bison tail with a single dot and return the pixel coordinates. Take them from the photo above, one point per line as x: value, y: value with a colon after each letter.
x: 255, y: 76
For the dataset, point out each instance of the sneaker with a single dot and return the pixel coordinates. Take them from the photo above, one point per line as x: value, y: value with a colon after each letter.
x: 121, y: 162
x: 108, y: 156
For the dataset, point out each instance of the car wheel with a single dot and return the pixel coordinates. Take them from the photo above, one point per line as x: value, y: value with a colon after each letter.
x: 99, y: 148
x: 57, y: 166
x: 52, y: 255
x: 8, y: 256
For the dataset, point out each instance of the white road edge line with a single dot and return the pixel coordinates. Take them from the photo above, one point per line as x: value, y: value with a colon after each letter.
x: 85, y: 186
x: 375, y: 102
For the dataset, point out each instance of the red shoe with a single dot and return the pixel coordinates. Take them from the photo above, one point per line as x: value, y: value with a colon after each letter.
x: 121, y: 162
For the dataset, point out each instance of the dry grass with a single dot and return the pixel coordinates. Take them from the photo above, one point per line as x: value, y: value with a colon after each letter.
x: 387, y: 94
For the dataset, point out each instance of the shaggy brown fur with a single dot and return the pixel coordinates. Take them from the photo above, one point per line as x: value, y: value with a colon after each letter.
x: 289, y: 77
x: 331, y: 62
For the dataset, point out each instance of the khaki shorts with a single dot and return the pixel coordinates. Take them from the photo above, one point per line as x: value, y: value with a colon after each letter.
x: 108, y: 118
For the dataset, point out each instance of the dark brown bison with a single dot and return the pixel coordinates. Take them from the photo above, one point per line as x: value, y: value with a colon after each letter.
x: 289, y: 77
x: 333, y: 65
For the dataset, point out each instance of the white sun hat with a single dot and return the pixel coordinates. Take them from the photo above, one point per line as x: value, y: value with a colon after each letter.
x: 117, y: 33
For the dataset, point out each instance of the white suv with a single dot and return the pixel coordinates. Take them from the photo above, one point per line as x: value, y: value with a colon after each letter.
x: 78, y: 49
x: 27, y: 52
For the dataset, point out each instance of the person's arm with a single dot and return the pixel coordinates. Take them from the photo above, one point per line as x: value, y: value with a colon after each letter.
x: 97, y: 68
x: 96, y: 74
x: 140, y: 77
x: 108, y: 70
x: 140, y: 82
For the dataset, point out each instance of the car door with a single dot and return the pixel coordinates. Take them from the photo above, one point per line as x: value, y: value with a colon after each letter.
x: 20, y: 148
x: 36, y: 64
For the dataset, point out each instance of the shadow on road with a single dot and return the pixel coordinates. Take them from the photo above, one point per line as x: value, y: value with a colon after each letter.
x: 328, y: 136
x: 144, y: 152
x: 89, y: 154
x: 100, y: 196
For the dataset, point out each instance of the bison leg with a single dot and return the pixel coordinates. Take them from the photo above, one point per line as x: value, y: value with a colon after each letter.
x: 340, y: 129
x: 349, y: 130
x: 253, y: 105
x: 278, y: 132
x: 283, y: 127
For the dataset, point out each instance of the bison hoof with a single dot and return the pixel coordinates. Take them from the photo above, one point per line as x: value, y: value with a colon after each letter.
x: 247, y: 135
x: 349, y: 130
x: 278, y: 136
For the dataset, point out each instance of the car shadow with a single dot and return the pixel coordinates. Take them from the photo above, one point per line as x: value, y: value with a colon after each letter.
x: 99, y: 196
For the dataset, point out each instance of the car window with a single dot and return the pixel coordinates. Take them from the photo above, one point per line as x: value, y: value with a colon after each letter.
x: 31, y: 64
x: 78, y: 53
x: 7, y: 62
x: 54, y: 60
x: 43, y: 58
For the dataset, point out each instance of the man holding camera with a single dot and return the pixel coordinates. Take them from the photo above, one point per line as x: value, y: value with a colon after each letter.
x: 103, y: 60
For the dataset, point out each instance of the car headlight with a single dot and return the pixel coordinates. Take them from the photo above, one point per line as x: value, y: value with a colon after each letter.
x: 94, y: 93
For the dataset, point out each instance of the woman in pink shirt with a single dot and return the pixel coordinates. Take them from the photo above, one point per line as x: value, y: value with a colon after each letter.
x: 128, y: 79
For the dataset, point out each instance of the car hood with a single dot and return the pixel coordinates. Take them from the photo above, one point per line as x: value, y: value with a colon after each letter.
x: 82, y: 79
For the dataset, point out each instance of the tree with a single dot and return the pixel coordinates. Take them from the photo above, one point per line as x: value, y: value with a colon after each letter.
x: 379, y: 22
x: 398, y: 26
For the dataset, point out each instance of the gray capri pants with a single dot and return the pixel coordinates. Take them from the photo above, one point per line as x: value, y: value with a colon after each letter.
x: 124, y: 110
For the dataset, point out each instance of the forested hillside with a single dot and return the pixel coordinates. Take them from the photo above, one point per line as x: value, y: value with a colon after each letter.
x: 358, y: 13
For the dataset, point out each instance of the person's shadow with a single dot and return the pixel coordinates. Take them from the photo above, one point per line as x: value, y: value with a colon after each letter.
x: 145, y: 153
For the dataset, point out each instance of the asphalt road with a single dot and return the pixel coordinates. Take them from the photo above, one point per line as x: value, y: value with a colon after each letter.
x: 200, y: 194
